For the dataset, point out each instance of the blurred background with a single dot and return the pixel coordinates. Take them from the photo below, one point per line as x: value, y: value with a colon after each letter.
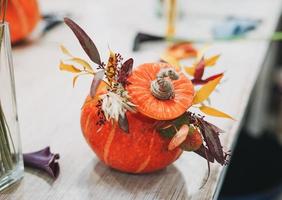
x: 255, y: 170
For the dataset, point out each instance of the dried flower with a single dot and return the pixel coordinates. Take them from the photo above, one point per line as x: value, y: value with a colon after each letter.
x: 116, y: 102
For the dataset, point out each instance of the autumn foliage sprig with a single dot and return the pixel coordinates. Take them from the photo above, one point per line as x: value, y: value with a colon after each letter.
x: 114, y: 101
x: 211, y: 149
x: 113, y: 104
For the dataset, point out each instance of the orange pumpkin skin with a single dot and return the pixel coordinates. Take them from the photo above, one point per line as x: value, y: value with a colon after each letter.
x: 22, y: 15
x: 142, y: 150
x: 147, y: 104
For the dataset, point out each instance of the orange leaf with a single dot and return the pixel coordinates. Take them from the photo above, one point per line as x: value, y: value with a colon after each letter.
x: 69, y: 68
x: 212, y: 60
x: 179, y: 137
x: 214, y: 112
x: 206, y: 90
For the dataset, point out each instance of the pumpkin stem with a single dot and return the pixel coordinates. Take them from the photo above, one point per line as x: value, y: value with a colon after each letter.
x: 162, y: 88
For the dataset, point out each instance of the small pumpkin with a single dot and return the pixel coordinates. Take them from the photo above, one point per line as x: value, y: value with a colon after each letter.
x: 137, y: 121
x: 155, y: 95
x: 143, y: 150
x: 23, y: 16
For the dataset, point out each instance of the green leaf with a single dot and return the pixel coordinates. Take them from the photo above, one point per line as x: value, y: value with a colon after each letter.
x: 170, y: 131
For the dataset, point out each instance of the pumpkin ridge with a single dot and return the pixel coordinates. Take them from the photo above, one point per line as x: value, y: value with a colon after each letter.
x: 108, y: 143
x: 143, y: 165
x: 147, y: 161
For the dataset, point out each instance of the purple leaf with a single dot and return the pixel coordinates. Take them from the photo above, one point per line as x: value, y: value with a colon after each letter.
x: 85, y: 41
x: 210, y: 134
x: 123, y: 123
x: 215, y: 128
x: 201, y: 81
x: 43, y: 160
x: 204, y: 152
x: 96, y: 82
x: 125, y: 71
x: 212, y: 140
x: 199, y: 70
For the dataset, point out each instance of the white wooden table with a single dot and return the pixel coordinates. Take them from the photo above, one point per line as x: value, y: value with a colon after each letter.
x: 49, y: 108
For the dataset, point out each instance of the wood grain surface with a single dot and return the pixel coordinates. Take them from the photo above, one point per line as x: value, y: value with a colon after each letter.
x: 49, y: 108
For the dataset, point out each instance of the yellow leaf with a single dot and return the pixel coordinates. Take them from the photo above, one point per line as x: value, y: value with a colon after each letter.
x: 212, y: 60
x: 84, y: 63
x: 74, y: 80
x: 190, y: 70
x: 65, y: 51
x: 171, y: 60
x: 69, y: 68
x: 206, y: 90
x: 214, y: 112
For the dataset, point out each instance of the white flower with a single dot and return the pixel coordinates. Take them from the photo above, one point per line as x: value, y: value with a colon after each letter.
x: 115, y: 105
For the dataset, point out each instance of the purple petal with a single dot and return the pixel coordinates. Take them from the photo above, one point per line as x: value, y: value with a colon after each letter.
x: 43, y: 160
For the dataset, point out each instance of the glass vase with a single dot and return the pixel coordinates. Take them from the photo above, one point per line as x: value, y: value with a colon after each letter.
x: 11, y: 162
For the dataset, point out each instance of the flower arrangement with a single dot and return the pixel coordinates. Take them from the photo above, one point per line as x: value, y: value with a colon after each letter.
x: 138, y: 120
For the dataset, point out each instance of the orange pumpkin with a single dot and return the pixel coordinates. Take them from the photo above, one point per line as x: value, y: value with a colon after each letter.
x: 22, y: 15
x: 141, y: 95
x: 143, y: 149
